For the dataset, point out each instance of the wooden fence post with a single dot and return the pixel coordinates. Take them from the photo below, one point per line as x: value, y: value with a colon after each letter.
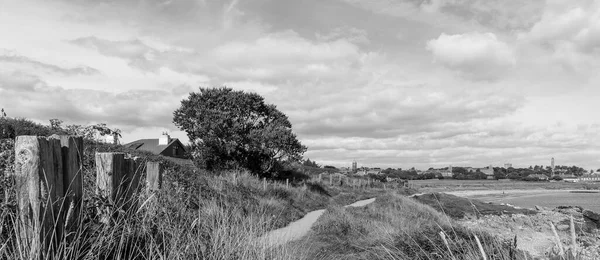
x: 330, y: 180
x: 320, y: 177
x: 39, y: 185
x: 118, y: 180
x: 131, y: 184
x: 154, y: 176
x: 264, y: 183
x: 72, y: 160
x: 287, y: 183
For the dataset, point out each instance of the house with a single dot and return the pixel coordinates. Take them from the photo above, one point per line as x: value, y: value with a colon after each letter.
x: 164, y: 145
x: 489, y: 171
x: 570, y: 178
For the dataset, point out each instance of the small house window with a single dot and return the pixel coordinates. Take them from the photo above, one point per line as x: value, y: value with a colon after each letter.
x: 175, y: 148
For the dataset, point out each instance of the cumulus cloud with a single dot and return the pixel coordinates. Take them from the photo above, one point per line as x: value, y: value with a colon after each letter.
x: 350, y: 87
x: 576, y: 23
x: 475, y: 55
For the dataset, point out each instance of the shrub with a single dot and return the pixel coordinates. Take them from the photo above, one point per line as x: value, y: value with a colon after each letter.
x: 231, y: 129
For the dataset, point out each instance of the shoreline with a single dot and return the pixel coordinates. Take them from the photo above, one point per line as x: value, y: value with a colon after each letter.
x: 534, y: 232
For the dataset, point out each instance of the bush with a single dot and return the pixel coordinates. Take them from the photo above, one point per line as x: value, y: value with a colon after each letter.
x: 231, y: 129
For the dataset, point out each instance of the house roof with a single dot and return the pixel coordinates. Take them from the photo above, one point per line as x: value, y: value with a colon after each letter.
x: 150, y: 145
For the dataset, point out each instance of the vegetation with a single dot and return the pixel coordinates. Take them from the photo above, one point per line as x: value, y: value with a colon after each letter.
x: 195, y: 216
x: 522, y: 173
x: 233, y: 129
x: 410, y: 174
x: 397, y: 227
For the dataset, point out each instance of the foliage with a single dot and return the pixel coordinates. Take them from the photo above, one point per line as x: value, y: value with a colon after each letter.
x: 406, y: 174
x: 12, y: 127
x: 194, y: 216
x: 234, y: 129
x: 397, y: 227
x: 310, y: 163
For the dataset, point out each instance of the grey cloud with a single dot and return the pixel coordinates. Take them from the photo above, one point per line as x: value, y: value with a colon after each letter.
x: 17, y: 60
x: 383, y: 116
x: 137, y: 53
x: 33, y: 98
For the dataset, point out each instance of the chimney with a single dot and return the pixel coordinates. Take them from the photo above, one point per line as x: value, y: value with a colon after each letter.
x: 164, y: 139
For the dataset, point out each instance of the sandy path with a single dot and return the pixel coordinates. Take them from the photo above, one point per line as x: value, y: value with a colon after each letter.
x: 301, y: 227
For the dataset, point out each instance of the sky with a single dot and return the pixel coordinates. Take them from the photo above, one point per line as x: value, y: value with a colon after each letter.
x: 388, y: 83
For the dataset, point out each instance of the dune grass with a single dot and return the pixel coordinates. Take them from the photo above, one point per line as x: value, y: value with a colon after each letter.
x: 197, y: 215
x: 397, y: 227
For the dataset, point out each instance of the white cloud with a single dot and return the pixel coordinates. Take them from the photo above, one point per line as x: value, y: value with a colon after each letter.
x: 576, y: 23
x: 475, y: 55
x: 352, y: 89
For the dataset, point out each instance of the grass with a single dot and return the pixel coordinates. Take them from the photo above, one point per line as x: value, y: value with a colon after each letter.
x: 397, y: 227
x: 196, y: 215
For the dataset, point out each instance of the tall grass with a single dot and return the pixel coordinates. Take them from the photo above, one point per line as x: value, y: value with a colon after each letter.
x: 194, y: 216
x: 396, y: 227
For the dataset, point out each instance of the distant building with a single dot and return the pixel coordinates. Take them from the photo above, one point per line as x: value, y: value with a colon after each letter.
x: 489, y: 170
x: 508, y: 165
x: 376, y: 171
x: 164, y: 145
x: 570, y: 178
x: 443, y: 172
x: 541, y: 177
x: 354, y: 167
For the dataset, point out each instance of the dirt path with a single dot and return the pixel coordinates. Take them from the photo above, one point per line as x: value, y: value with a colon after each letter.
x: 300, y: 228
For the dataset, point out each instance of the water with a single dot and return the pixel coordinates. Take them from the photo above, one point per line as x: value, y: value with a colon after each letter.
x: 589, y: 201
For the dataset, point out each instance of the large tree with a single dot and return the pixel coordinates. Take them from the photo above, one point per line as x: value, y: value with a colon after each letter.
x: 230, y: 129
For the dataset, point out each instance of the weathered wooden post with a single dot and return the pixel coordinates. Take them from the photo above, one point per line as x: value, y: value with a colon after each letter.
x: 131, y: 183
x: 39, y: 185
x: 110, y: 175
x: 287, y: 183
x: 154, y: 176
x: 320, y: 177
x: 72, y: 160
x: 264, y: 183
x: 384, y: 187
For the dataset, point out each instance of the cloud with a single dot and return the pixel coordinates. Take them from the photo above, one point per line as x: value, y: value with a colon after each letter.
x: 475, y: 55
x: 389, y: 113
x: 18, y: 62
x: 351, y: 34
x: 138, y: 54
x: 272, y: 57
x: 576, y: 23
x: 29, y: 96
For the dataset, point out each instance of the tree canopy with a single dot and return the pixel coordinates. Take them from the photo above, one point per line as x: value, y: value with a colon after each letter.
x: 232, y: 129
